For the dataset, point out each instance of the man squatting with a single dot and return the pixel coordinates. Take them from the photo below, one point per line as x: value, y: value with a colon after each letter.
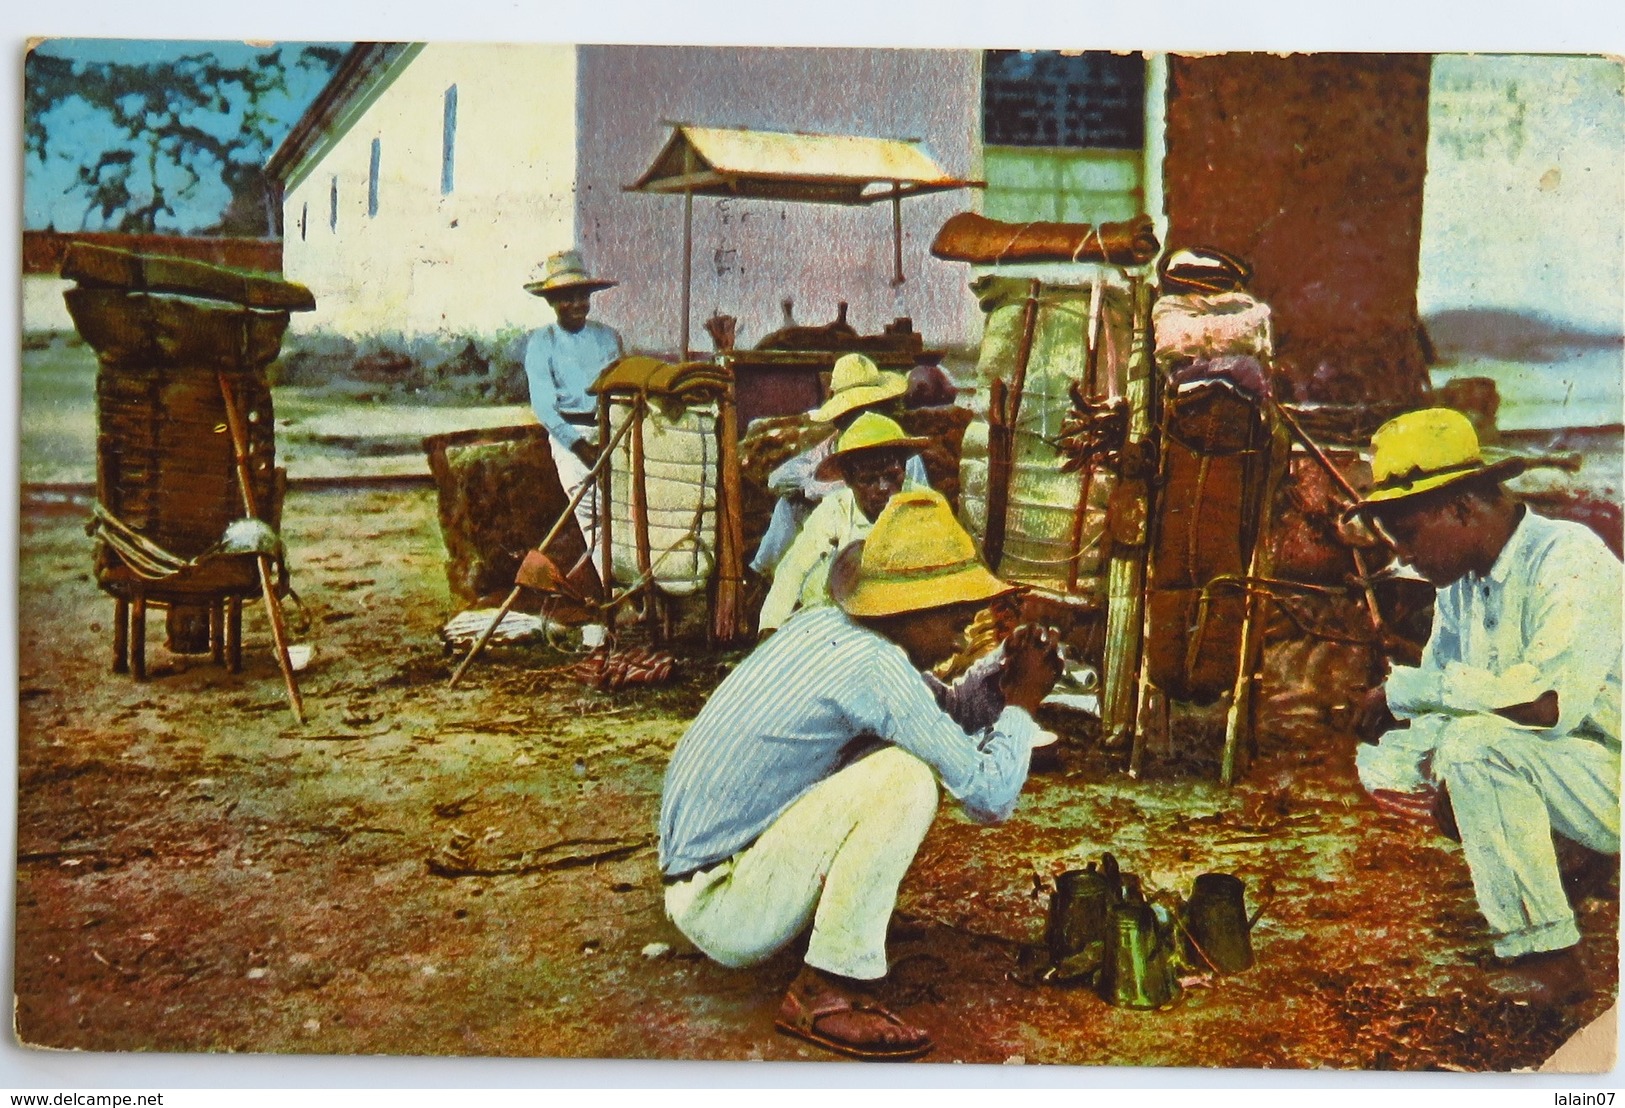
x: 1509, y: 728
x: 804, y: 787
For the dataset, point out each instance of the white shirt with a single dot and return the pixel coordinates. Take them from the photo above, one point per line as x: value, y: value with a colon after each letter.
x: 1545, y: 617
x: 802, y: 575
x: 561, y: 366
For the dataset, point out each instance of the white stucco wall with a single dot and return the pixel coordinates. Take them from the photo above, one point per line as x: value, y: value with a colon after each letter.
x: 43, y: 306
x: 428, y: 262
x: 1523, y: 232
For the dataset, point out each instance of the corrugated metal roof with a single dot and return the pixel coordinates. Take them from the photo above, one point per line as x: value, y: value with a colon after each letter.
x: 780, y: 165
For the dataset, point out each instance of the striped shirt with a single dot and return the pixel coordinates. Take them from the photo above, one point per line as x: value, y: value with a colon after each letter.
x: 788, y: 718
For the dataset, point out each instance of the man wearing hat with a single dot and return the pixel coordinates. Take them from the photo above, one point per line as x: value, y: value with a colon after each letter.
x: 1511, y: 723
x: 856, y: 386
x: 870, y: 457
x: 801, y: 792
x: 562, y: 360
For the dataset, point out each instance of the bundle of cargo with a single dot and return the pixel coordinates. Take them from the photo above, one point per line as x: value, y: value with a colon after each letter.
x: 498, y: 493
x: 189, y: 496
x: 672, y: 482
x: 1039, y: 523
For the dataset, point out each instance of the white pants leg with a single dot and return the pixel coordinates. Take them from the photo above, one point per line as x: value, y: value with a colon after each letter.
x: 835, y: 858
x: 572, y: 472
x: 1510, y: 788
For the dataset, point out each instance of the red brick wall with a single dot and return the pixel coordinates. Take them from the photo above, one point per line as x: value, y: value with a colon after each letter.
x: 43, y: 250
x: 1311, y: 166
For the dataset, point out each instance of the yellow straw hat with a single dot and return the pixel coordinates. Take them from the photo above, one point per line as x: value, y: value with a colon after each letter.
x: 856, y: 382
x: 565, y: 272
x: 917, y: 556
x: 1421, y: 451
x: 869, y: 431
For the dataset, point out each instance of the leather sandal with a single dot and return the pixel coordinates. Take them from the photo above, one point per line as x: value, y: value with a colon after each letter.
x: 800, y: 1020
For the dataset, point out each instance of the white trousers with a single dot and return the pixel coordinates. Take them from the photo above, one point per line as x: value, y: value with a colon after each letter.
x: 834, y: 859
x: 572, y: 472
x: 1510, y: 788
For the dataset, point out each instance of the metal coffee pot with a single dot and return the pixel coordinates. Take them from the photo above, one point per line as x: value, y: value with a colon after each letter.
x: 1215, y: 929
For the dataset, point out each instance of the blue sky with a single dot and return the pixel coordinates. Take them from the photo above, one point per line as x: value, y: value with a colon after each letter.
x: 78, y: 134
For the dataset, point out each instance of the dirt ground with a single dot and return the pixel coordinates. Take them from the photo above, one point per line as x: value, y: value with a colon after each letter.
x: 197, y: 873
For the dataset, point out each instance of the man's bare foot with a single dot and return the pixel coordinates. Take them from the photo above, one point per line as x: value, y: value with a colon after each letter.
x: 837, y: 1014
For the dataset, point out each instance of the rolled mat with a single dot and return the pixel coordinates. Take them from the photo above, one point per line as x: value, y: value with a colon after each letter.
x: 969, y: 237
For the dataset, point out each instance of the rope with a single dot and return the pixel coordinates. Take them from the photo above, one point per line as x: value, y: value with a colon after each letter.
x: 145, y: 558
x: 1084, y: 241
x: 998, y: 259
x: 151, y: 562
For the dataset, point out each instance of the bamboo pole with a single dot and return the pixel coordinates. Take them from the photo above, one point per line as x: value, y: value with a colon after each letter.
x: 605, y: 536
x: 273, y: 610
x: 569, y: 510
x: 1122, y: 683
x: 1238, y: 717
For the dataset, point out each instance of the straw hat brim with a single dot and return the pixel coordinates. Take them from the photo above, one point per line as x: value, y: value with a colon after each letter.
x: 876, y: 596
x: 1375, y: 501
x: 830, y: 468
x: 893, y: 386
x: 585, y: 284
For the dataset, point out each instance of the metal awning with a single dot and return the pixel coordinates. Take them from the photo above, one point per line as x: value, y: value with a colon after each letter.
x: 790, y: 166
x: 780, y: 165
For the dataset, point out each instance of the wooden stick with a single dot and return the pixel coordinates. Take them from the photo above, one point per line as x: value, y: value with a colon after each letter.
x: 569, y: 510
x: 1091, y: 373
x: 273, y: 609
x: 606, y: 547
x: 727, y: 616
x: 638, y: 494
x: 1342, y: 483
x: 1001, y: 434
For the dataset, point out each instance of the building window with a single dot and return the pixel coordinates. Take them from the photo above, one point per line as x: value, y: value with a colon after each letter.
x: 304, y: 217
x: 333, y: 205
x: 448, y: 141
x: 1063, y: 135
x: 372, y: 178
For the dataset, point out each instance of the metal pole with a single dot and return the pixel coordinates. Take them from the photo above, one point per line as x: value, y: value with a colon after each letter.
x: 897, y: 232
x: 688, y: 261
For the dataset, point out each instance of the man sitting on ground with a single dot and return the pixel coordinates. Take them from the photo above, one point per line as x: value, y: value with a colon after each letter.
x: 803, y: 789
x: 856, y: 386
x: 1511, y: 723
x: 870, y: 459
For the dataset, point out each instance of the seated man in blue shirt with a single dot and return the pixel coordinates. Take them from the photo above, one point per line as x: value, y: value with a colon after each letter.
x: 803, y: 789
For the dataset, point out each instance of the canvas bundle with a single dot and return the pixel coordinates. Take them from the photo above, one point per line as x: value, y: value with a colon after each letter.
x: 1044, y: 500
x: 1222, y: 455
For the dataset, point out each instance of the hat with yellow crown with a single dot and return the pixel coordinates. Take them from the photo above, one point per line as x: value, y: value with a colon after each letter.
x: 917, y: 556
x: 1426, y: 450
